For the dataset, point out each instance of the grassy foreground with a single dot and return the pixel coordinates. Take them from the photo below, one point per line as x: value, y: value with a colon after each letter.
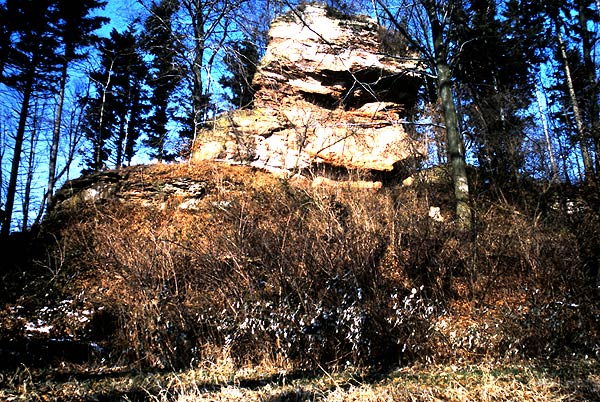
x: 575, y: 380
x: 210, y: 282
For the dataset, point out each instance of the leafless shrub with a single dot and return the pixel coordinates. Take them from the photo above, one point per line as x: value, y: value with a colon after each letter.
x: 325, y: 277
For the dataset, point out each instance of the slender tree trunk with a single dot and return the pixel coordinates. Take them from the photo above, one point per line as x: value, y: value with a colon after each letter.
x: 120, y: 141
x: 570, y: 151
x: 374, y: 5
x: 198, y: 102
x: 456, y: 153
x: 75, y: 136
x: 590, y: 67
x: 162, y: 112
x: 553, y: 164
x: 2, y: 150
x: 56, y: 137
x: 585, y: 153
x: 564, y: 157
x: 30, y: 171
x: 131, y: 136
x: 98, y: 162
x: 19, y: 137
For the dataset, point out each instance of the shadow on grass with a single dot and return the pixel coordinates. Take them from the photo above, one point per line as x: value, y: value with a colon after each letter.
x: 145, y: 393
x: 43, y: 352
x: 113, y: 396
x: 548, y: 380
x: 292, y: 396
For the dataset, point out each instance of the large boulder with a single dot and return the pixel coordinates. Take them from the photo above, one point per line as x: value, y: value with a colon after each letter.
x: 327, y: 94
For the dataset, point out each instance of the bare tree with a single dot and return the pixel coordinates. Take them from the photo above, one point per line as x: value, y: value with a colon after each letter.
x: 75, y: 30
x: 426, y: 25
x: 31, y: 71
x: 207, y: 32
x: 31, y: 162
x: 538, y: 93
x: 581, y: 132
x: 30, y: 77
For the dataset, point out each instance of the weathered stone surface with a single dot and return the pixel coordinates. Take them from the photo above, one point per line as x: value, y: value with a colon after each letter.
x: 142, y: 184
x: 325, y: 95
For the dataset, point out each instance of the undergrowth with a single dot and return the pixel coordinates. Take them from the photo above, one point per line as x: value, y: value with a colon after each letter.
x: 265, y: 270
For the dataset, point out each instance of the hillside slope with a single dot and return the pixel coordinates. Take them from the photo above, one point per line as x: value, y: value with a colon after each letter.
x: 171, y: 266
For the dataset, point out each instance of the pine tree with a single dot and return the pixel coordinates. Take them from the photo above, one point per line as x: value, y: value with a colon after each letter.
x: 76, y: 32
x: 98, y: 118
x: 7, y: 27
x: 130, y: 74
x: 493, y: 71
x: 590, y: 101
x: 30, y: 67
x: 163, y: 44
x: 114, y: 118
x: 575, y: 88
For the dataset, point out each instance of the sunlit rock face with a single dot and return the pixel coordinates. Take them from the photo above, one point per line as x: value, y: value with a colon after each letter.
x: 327, y: 93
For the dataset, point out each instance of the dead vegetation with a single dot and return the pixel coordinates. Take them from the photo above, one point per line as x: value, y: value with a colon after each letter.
x: 262, y: 272
x: 573, y: 380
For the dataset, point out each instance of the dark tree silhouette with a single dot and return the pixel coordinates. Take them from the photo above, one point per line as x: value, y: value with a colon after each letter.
x: 30, y: 67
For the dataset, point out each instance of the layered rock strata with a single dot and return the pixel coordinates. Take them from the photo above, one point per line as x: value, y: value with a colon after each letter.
x: 325, y: 94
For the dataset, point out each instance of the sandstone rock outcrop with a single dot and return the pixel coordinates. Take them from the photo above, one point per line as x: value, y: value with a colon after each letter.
x: 151, y: 186
x: 326, y: 94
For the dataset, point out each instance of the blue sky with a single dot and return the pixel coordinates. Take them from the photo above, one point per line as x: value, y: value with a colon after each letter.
x: 121, y: 13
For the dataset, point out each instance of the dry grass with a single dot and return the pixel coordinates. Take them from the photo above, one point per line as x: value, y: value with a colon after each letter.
x: 261, y: 268
x: 264, y: 278
x: 576, y: 380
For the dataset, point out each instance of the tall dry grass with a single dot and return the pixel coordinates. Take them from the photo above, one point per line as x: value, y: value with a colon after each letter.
x: 265, y: 270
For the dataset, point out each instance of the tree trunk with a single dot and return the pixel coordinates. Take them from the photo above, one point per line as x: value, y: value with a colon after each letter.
x: 30, y: 171
x: 2, y: 152
x: 590, y: 68
x: 121, y: 140
x: 456, y: 153
x: 56, y: 137
x: 19, y: 137
x: 198, y: 103
x: 585, y: 153
x: 98, y: 160
x: 553, y: 164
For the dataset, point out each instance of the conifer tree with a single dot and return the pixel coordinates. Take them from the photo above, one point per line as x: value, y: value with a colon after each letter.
x: 164, y: 45
x: 114, y: 117
x: 575, y: 79
x: 130, y: 74
x: 30, y: 67
x: 7, y: 26
x: 493, y: 71
x: 76, y: 32
x: 588, y: 16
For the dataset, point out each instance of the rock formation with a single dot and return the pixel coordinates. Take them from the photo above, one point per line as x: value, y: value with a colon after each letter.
x: 326, y: 95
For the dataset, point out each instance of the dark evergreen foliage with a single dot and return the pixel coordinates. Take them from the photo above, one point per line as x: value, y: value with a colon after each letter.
x: 75, y: 29
x: 494, y: 51
x: 167, y: 72
x: 30, y: 67
x: 115, y: 115
x: 241, y: 62
x: 493, y: 74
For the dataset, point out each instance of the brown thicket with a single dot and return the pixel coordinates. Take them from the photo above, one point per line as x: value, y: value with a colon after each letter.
x: 266, y: 270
